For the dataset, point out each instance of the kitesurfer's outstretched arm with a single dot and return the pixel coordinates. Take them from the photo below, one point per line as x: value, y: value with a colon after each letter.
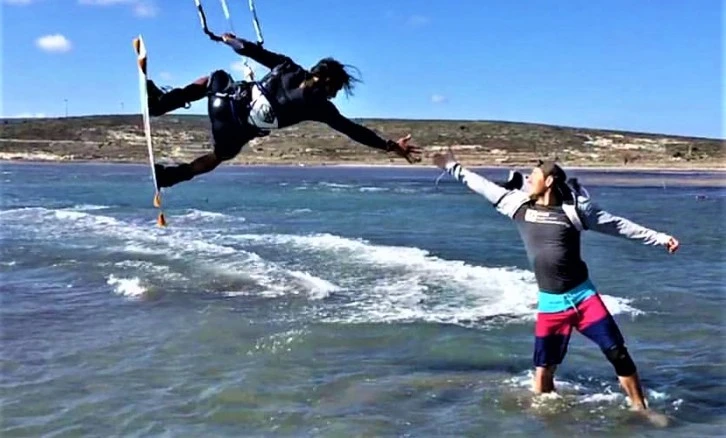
x: 254, y: 51
x: 359, y: 133
x: 601, y: 221
x: 506, y: 201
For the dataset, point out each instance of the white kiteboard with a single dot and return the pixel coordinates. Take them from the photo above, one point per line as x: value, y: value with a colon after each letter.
x: 142, y: 61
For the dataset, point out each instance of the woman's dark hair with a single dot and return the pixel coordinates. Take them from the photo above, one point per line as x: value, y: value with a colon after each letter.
x: 336, y: 74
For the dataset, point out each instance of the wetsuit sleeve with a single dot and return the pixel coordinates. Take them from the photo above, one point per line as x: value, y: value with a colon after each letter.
x: 507, y: 202
x: 601, y: 221
x: 256, y: 52
x: 330, y: 115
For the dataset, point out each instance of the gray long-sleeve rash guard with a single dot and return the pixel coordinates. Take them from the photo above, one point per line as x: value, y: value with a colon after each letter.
x: 551, y: 240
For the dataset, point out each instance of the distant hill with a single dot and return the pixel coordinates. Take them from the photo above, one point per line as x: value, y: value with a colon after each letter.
x: 182, y: 137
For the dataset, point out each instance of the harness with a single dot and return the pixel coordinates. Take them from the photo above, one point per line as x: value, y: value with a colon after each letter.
x: 238, y: 95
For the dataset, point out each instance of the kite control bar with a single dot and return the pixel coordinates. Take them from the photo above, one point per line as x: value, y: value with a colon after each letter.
x: 215, y: 37
x: 203, y: 20
x: 249, y: 73
x: 256, y: 23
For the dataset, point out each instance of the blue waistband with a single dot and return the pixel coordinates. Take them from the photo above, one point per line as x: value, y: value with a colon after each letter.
x: 552, y: 303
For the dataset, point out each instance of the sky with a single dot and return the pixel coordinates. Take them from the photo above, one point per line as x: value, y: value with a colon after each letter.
x: 647, y: 65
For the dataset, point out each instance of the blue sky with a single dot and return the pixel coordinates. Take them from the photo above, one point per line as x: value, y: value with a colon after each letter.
x: 645, y: 65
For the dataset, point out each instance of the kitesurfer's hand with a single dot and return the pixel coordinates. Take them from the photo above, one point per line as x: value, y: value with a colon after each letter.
x: 672, y: 245
x: 228, y: 36
x: 411, y: 153
x: 441, y: 160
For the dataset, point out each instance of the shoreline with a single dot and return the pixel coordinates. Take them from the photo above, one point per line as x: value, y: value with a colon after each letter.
x: 495, y: 145
x: 604, y: 168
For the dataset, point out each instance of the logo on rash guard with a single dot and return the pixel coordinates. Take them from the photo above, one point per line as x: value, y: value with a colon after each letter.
x: 544, y: 217
x: 261, y: 113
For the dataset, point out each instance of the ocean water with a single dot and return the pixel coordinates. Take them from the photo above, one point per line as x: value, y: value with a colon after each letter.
x: 325, y: 302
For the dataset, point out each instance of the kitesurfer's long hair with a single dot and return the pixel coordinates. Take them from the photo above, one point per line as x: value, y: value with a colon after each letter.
x: 336, y: 75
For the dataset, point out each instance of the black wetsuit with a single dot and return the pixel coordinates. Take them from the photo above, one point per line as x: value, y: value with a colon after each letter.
x: 240, y: 111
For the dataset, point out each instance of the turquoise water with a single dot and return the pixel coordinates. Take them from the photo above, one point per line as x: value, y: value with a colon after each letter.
x: 335, y: 302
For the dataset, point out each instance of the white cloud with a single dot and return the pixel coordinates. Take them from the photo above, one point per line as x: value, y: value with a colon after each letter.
x: 145, y: 9
x: 140, y: 8
x: 238, y: 67
x: 437, y: 98
x: 18, y: 2
x: 165, y: 76
x: 29, y: 116
x: 105, y: 2
x: 411, y: 21
x: 53, y: 43
x: 417, y: 21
